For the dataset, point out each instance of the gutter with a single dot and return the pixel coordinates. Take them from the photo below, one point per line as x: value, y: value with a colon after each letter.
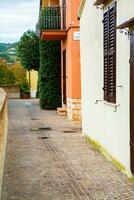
x: 82, y: 4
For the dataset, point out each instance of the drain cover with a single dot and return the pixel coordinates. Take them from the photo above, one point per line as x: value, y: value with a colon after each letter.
x: 41, y: 129
x: 43, y: 138
x: 69, y: 131
x: 45, y: 129
x: 34, y: 129
x: 35, y: 119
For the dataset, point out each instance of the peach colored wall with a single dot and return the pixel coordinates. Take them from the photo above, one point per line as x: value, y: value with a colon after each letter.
x: 72, y: 65
x: 44, y: 3
x: 72, y: 47
x: 50, y: 2
x: 76, y: 77
x: 72, y: 51
x: 53, y: 2
x: 72, y: 7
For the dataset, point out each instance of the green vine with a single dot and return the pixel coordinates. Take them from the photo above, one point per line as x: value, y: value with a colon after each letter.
x: 50, y: 74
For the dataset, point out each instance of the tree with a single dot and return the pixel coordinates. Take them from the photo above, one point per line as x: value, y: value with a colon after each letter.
x: 28, y: 51
x: 19, y: 73
x: 14, y: 74
x: 6, y: 75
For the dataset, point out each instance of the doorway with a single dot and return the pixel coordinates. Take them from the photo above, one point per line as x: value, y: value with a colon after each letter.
x: 64, y: 77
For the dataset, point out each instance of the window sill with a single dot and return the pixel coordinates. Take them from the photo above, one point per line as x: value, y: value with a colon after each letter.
x: 108, y: 103
x: 115, y: 106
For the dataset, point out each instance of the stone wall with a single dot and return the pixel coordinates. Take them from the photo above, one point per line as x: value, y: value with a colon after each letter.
x: 13, y: 91
x: 3, y: 131
x: 74, y: 109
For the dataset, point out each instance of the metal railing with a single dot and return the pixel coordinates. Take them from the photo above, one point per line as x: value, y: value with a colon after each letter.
x: 52, y: 18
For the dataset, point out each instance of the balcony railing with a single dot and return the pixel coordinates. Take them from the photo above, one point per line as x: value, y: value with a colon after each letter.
x: 52, y: 18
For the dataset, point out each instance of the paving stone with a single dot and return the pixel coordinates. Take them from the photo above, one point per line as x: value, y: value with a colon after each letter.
x: 61, y: 167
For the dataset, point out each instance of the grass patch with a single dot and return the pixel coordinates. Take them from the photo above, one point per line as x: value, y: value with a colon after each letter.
x: 97, y: 146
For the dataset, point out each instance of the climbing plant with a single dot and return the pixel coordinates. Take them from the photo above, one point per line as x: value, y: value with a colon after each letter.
x: 49, y: 74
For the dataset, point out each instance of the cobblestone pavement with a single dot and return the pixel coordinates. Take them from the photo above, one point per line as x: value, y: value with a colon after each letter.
x: 57, y: 164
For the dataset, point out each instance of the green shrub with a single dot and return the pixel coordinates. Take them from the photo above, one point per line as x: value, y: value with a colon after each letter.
x: 50, y: 74
x: 25, y: 88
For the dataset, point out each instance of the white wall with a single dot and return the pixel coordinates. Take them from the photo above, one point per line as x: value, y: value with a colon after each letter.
x: 125, y: 11
x: 100, y: 121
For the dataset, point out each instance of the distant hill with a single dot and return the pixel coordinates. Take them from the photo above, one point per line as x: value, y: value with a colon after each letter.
x: 8, y: 52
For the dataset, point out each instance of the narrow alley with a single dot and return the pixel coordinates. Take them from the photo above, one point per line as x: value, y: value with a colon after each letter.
x: 48, y: 159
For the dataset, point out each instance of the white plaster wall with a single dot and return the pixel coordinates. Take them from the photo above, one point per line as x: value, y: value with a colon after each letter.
x: 125, y: 11
x: 100, y: 122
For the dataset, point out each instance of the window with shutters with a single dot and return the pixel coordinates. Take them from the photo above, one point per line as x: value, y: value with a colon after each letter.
x: 110, y: 54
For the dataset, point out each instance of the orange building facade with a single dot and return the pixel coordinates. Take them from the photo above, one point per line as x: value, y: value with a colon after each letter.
x: 63, y: 25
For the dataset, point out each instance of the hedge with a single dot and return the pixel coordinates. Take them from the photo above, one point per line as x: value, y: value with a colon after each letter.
x: 50, y: 74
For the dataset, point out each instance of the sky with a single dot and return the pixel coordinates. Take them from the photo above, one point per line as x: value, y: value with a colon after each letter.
x: 16, y: 17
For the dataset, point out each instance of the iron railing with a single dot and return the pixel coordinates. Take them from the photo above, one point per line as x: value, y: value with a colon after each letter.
x: 52, y: 18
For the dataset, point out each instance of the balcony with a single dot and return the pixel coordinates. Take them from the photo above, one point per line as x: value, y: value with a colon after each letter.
x: 52, y: 23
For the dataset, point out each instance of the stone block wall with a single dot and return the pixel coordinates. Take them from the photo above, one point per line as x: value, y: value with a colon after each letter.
x: 74, y: 109
x: 13, y: 91
x: 3, y: 132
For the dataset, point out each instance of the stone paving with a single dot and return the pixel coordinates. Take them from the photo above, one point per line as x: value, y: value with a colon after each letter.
x: 56, y: 163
